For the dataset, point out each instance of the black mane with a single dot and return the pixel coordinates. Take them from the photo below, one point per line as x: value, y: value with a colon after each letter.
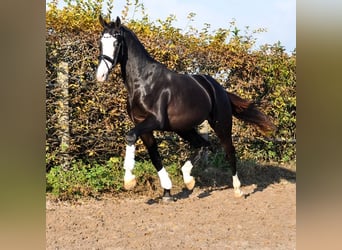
x: 129, y: 36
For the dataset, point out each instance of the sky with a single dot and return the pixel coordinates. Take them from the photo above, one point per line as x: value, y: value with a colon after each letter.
x: 278, y: 17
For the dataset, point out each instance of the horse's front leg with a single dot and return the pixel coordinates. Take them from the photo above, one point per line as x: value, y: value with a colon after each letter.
x: 165, y: 181
x: 129, y: 178
x: 144, y: 130
x: 131, y: 137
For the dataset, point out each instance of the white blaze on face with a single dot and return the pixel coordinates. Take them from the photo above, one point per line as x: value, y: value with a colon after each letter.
x: 107, y: 48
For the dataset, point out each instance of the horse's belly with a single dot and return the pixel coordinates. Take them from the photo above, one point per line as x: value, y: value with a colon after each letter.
x: 186, y: 119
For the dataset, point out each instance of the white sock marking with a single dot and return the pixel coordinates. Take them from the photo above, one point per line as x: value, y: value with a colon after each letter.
x: 165, y: 180
x: 236, y: 181
x: 129, y: 162
x: 186, y: 170
x: 236, y: 185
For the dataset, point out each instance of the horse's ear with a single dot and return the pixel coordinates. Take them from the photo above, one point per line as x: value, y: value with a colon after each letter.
x: 102, y: 21
x: 118, y: 21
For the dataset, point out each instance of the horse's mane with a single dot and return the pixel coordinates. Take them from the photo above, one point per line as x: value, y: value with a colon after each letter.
x: 128, y: 33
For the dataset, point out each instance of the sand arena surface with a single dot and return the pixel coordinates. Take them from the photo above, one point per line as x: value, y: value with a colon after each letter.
x: 207, y: 218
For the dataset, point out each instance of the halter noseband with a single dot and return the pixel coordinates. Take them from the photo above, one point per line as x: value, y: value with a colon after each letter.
x: 104, y: 58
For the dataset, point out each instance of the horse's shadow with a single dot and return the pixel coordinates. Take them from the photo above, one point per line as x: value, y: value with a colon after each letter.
x: 260, y: 176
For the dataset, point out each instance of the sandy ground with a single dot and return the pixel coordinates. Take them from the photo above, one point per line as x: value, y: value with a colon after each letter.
x: 206, y: 218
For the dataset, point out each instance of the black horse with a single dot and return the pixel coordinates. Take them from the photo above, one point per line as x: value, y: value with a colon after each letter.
x: 161, y: 99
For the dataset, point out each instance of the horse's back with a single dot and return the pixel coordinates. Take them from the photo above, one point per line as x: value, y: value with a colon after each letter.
x: 190, y: 102
x: 195, y: 98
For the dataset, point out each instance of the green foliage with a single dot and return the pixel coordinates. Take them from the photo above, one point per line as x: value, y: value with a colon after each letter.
x: 85, y: 179
x: 98, y: 117
x: 76, y: 16
x: 93, y: 179
x: 146, y: 173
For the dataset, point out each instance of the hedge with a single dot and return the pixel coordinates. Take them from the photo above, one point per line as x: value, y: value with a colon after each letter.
x: 98, y: 120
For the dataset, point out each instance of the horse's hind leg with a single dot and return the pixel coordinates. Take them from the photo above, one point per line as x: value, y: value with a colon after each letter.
x: 223, y: 132
x: 197, y: 142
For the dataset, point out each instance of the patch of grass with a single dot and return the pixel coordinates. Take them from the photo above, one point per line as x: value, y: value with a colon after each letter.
x: 213, y: 170
x: 93, y: 179
x: 85, y: 179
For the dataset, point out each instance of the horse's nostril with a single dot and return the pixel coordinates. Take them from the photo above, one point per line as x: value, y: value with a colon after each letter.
x: 100, y: 78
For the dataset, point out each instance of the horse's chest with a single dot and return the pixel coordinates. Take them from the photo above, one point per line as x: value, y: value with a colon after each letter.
x: 139, y: 108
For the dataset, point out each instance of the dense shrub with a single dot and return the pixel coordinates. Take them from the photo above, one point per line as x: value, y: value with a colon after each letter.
x: 98, y: 119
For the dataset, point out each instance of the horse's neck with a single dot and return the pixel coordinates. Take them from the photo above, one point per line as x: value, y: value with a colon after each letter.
x: 134, y: 66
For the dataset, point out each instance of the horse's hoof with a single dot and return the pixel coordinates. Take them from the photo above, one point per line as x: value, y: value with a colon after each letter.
x: 190, y: 184
x: 168, y: 199
x: 130, y: 184
x: 238, y: 193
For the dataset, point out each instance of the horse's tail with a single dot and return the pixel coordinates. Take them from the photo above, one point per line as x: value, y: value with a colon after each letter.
x: 246, y: 111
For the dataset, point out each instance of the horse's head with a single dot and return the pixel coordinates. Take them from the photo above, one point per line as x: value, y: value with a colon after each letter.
x: 110, y: 47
